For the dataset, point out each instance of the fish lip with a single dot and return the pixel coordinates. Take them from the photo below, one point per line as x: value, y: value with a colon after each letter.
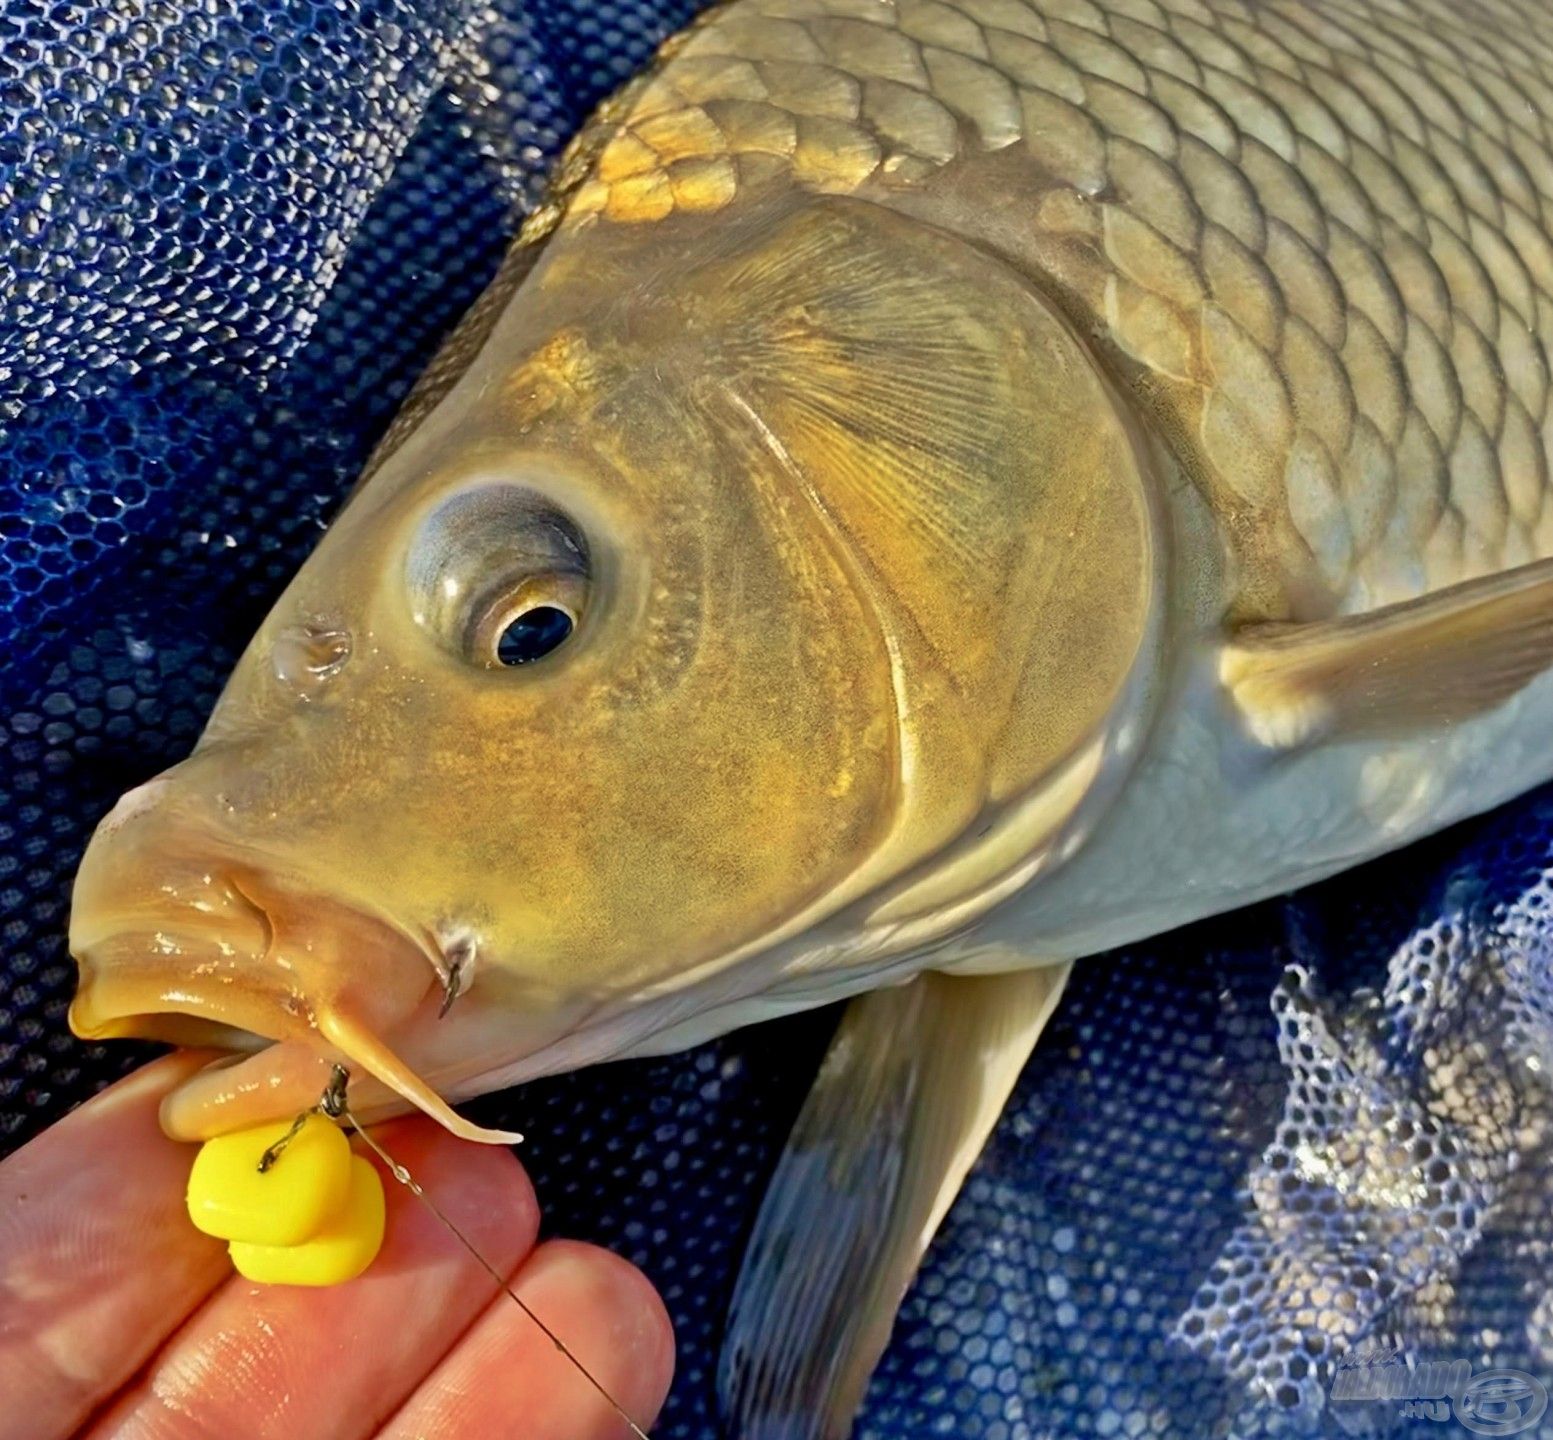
x: 272, y: 974
x: 267, y: 1063
x: 191, y: 952
x: 197, y: 924
x: 236, y: 1091
x: 185, y: 932
x: 132, y: 977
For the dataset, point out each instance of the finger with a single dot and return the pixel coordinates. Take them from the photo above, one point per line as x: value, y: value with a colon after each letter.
x: 285, y: 1361
x: 98, y: 1261
x: 506, y: 1377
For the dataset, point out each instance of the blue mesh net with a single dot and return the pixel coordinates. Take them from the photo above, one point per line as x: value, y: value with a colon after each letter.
x: 230, y: 236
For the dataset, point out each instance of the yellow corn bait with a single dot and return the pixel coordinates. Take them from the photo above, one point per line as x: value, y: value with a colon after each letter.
x: 289, y: 1202
x: 313, y: 1216
x: 347, y: 1244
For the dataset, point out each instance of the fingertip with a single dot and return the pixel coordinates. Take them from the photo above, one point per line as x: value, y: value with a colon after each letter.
x: 517, y: 1370
x: 625, y: 1306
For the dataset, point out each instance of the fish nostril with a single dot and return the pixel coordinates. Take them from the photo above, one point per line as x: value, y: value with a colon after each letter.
x: 306, y: 657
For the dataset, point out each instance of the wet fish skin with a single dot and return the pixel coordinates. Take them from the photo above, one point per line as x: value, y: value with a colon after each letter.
x: 1314, y: 237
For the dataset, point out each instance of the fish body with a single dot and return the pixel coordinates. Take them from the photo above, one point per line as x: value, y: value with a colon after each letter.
x: 1308, y: 242
x: 1008, y: 477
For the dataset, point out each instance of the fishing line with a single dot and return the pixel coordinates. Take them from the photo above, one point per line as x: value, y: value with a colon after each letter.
x: 336, y: 1106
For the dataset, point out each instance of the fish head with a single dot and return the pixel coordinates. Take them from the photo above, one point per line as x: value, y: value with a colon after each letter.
x: 668, y: 634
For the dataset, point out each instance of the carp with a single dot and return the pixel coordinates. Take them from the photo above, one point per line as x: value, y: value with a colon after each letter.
x: 940, y: 489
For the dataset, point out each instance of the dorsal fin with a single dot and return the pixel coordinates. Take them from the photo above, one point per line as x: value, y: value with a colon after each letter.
x: 1428, y: 662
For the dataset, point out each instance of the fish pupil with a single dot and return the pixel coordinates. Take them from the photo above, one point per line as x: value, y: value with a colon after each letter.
x: 533, y: 635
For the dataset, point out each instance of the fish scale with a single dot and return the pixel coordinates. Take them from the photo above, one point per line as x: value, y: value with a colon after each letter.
x: 1313, y: 238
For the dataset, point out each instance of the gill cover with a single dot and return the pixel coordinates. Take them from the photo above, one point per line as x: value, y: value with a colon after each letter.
x: 975, y: 474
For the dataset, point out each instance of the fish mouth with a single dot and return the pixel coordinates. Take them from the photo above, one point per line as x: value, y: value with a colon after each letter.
x: 286, y: 984
x: 127, y: 992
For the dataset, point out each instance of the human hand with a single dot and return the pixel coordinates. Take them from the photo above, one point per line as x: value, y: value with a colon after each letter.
x: 118, y: 1318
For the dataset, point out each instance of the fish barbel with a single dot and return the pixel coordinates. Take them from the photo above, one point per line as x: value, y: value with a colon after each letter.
x: 941, y: 488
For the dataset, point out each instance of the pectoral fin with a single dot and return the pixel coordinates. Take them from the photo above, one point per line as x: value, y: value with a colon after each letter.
x: 1428, y: 662
x: 909, y: 1090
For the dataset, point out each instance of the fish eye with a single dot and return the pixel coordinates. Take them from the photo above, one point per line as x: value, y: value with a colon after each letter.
x: 500, y: 576
x: 533, y: 635
x: 527, y: 624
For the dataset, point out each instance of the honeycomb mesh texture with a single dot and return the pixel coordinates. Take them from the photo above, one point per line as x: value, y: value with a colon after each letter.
x: 230, y: 236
